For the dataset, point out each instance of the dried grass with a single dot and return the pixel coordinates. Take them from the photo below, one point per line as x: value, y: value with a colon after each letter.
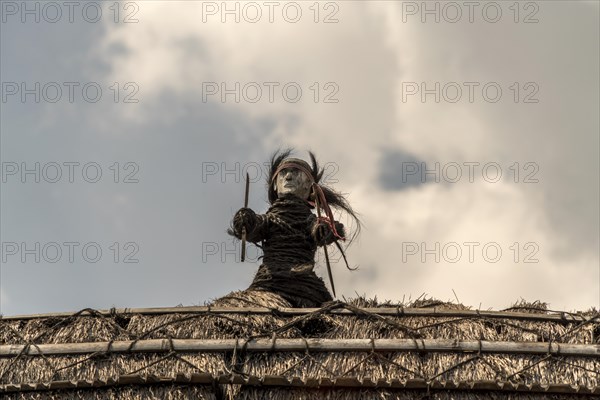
x: 167, y: 392
x: 495, y: 367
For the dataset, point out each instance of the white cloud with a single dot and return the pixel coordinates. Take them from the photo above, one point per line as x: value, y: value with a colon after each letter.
x: 496, y: 214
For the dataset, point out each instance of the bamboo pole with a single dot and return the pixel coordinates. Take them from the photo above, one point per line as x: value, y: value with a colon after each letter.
x: 301, y: 345
x: 282, y: 381
x: 383, y: 311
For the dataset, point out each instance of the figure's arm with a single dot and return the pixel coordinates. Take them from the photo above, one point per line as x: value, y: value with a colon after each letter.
x: 255, y: 224
x: 323, y: 234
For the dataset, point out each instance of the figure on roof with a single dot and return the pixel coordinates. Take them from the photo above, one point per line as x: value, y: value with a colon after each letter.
x: 289, y: 233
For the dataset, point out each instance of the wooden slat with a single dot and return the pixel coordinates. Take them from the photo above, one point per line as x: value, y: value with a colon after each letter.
x: 386, y: 311
x: 270, y: 381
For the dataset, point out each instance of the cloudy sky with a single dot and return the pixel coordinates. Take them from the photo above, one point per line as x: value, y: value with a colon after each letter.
x: 467, y: 137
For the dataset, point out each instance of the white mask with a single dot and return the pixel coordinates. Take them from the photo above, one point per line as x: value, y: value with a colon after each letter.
x: 294, y: 181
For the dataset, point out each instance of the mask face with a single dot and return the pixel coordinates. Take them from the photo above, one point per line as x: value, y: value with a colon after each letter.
x: 294, y: 181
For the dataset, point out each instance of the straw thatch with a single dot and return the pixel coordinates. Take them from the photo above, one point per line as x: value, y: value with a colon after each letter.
x: 250, y: 345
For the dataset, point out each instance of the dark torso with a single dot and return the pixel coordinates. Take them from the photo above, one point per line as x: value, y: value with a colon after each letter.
x: 289, y: 254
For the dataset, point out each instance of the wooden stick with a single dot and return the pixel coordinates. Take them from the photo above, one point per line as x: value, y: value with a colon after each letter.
x: 301, y: 345
x: 247, y: 190
x: 385, y: 311
x: 328, y: 264
x: 293, y: 382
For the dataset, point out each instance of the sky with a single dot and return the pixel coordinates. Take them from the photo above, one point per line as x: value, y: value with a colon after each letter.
x: 465, y: 135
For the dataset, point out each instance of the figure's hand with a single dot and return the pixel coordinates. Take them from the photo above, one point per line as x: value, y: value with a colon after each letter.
x: 321, y: 233
x: 244, y: 218
x: 324, y: 235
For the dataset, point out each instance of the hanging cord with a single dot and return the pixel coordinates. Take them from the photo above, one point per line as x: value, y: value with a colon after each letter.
x: 322, y: 203
x: 325, y: 249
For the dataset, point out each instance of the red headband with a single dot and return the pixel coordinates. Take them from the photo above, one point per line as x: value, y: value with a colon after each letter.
x: 291, y: 164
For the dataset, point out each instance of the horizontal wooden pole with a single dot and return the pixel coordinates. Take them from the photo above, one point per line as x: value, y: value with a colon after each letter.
x: 384, y: 311
x: 301, y: 345
x: 273, y: 381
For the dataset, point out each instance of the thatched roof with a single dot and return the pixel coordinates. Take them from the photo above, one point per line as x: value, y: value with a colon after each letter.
x: 251, y: 346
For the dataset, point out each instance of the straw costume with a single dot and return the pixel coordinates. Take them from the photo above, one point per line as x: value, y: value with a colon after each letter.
x: 289, y: 232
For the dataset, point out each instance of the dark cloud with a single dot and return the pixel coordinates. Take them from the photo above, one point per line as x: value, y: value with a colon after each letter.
x: 399, y: 170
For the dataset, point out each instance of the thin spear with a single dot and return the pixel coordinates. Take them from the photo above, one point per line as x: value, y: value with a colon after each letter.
x: 325, y: 247
x: 243, y: 227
